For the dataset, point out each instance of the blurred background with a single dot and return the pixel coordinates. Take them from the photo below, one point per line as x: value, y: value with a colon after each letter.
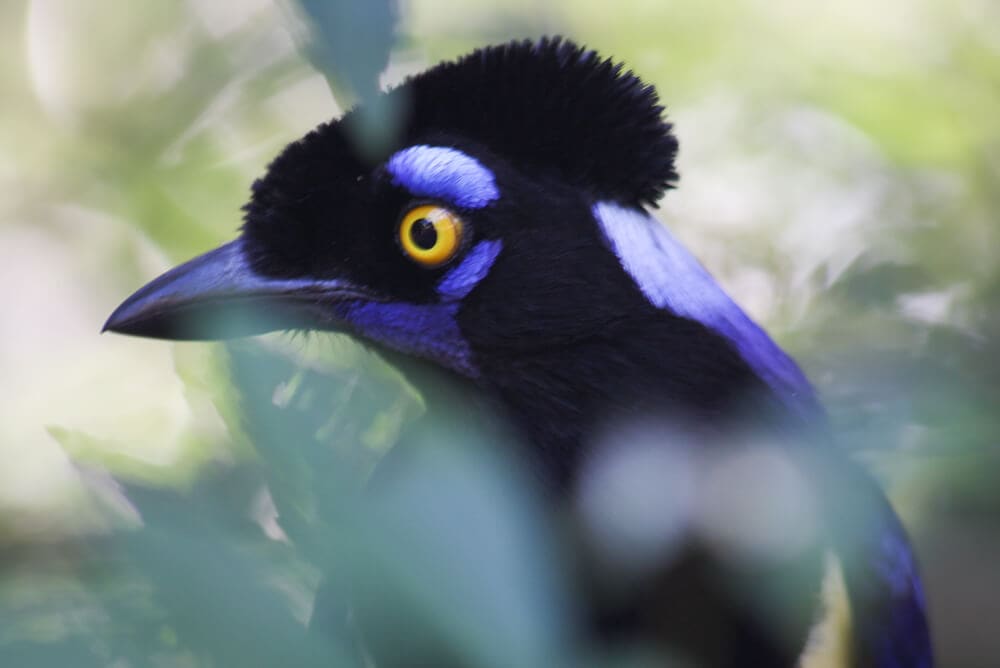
x: 840, y: 171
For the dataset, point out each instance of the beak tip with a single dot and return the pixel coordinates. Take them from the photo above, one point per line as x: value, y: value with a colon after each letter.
x: 119, y: 319
x: 110, y: 323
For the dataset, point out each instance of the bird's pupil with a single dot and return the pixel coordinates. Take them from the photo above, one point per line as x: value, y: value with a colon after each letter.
x: 423, y: 234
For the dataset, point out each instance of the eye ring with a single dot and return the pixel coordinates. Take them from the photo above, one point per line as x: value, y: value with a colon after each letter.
x: 430, y: 235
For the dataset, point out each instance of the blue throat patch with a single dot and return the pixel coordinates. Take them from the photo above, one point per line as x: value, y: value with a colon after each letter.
x: 444, y: 173
x: 671, y: 278
x: 429, y: 330
x: 423, y: 330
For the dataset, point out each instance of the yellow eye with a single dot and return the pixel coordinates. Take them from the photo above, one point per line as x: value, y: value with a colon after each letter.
x: 430, y: 235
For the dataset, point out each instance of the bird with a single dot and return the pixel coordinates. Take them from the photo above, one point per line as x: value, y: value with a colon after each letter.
x: 501, y: 244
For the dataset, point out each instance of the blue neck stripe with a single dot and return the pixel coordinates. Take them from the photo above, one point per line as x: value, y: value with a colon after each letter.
x: 671, y: 278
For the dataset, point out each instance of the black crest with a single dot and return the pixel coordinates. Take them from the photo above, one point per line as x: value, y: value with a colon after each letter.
x: 550, y: 106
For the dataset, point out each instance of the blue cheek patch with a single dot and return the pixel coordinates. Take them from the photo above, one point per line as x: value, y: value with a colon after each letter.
x: 459, y: 282
x: 427, y: 330
x: 443, y: 173
x: 423, y: 330
x: 672, y: 279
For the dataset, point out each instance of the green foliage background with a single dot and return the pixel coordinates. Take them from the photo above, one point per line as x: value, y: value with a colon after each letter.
x: 840, y: 175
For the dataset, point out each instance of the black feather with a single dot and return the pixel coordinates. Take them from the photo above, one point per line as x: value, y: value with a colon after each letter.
x: 550, y: 107
x: 557, y: 111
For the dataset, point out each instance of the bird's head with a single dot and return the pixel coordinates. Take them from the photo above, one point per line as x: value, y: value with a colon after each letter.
x: 475, y: 230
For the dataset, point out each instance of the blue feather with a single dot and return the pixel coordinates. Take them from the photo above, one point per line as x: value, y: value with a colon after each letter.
x: 444, y: 173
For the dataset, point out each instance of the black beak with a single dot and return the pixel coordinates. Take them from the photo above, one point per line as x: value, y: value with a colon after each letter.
x: 218, y: 296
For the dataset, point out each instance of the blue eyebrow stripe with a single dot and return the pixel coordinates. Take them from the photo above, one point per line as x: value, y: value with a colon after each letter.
x: 445, y: 173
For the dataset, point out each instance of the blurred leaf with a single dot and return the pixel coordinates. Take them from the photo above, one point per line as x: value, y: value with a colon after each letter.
x: 349, y: 42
